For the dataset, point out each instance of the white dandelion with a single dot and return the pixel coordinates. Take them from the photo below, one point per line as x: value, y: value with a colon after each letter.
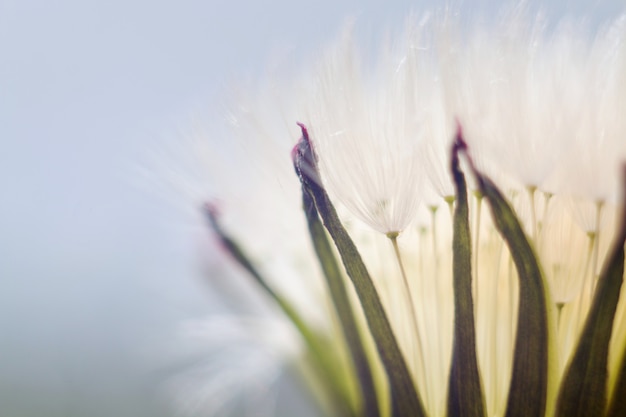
x: 541, y: 109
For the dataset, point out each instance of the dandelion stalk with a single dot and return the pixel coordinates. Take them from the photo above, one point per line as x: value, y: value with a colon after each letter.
x: 534, y: 227
x: 343, y: 307
x: 584, y: 387
x: 325, y: 363
x: 532, y: 382
x: 404, y: 398
x: 393, y: 237
x: 465, y: 394
x: 547, y: 197
x: 617, y: 406
x: 596, y: 249
x: 479, y: 205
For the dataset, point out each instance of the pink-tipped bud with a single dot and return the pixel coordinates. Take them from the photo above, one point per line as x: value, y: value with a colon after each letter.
x: 305, y: 132
x: 298, y: 149
x: 304, y: 157
x: 459, y: 140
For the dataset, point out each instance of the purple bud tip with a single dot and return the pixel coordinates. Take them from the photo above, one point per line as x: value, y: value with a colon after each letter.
x: 459, y: 140
x: 304, y: 157
x: 303, y: 142
x: 305, y: 132
x: 296, y: 150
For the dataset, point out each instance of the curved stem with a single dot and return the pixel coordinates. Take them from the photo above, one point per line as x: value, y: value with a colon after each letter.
x: 596, y: 249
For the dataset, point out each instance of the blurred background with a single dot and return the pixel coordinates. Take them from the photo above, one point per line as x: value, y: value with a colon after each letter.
x: 97, y: 271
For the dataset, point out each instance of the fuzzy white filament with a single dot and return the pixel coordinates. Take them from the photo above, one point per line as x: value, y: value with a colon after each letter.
x: 366, y: 133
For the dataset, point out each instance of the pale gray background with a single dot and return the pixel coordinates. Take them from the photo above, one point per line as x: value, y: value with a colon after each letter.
x: 95, y: 272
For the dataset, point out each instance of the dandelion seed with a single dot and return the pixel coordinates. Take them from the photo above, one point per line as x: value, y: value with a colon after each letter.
x: 368, y: 152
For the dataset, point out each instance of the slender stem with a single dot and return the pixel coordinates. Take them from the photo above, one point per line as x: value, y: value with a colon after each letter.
x: 326, y: 362
x: 394, y: 242
x: 587, y: 278
x: 533, y: 212
x: 547, y: 198
x: 404, y: 398
x: 590, y: 264
x: 438, y: 286
x: 393, y: 237
x: 479, y: 201
x: 559, y: 315
x: 494, y: 319
x: 596, y: 249
x: 342, y: 305
x: 556, y: 273
x: 450, y: 201
x: 433, y: 214
x: 511, y: 296
x: 421, y: 231
x: 465, y: 393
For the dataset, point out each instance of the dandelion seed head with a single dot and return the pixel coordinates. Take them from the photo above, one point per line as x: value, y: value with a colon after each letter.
x: 541, y: 109
x: 366, y: 134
